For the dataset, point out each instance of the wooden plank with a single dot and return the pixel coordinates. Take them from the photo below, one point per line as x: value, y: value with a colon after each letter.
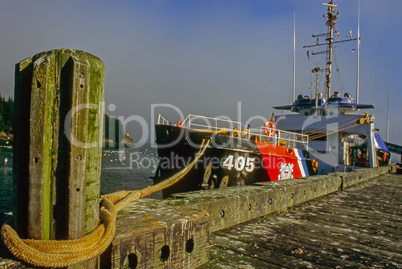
x: 78, y: 133
x: 154, y: 234
x: 22, y: 100
x: 347, y: 229
x: 41, y: 150
x: 95, y: 137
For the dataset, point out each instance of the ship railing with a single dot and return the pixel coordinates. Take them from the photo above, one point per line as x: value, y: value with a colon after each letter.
x: 210, y: 123
x: 284, y: 138
x: 162, y: 120
x: 234, y: 129
x: 203, y: 123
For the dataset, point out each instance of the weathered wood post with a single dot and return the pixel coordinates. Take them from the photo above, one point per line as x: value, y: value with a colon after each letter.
x: 58, y: 144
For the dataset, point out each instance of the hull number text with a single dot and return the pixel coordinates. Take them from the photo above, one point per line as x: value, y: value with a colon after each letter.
x: 239, y: 163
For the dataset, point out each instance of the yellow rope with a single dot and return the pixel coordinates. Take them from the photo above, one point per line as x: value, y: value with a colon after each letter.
x: 31, y: 251
x: 62, y: 253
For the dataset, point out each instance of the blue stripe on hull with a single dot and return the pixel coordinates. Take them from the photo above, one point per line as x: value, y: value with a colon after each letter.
x: 303, y: 161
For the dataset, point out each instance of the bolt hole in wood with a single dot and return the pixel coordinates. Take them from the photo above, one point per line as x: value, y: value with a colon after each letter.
x: 249, y: 207
x: 190, y: 245
x: 222, y: 213
x: 38, y: 84
x: 270, y: 201
x: 82, y: 75
x: 36, y: 160
x: 79, y: 157
x: 165, y: 253
x: 132, y: 261
x: 77, y: 189
x: 81, y: 86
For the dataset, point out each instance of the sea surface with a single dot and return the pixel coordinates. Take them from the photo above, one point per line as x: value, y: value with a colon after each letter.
x: 127, y: 169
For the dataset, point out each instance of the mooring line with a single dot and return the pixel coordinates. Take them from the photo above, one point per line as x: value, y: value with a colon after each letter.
x: 62, y: 253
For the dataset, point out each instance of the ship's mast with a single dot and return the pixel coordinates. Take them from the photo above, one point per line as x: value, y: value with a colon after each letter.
x: 358, y: 54
x: 332, y: 15
x: 330, y: 23
x: 294, y: 59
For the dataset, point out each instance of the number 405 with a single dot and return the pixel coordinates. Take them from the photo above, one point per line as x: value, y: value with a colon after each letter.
x: 239, y: 163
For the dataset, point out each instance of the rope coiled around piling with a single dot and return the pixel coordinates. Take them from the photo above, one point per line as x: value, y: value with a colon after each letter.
x: 62, y: 253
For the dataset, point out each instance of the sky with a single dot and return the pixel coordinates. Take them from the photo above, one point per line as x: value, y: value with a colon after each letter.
x: 210, y: 57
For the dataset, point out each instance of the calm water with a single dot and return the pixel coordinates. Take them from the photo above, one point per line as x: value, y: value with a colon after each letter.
x: 6, y: 184
x: 128, y: 170
x: 121, y: 170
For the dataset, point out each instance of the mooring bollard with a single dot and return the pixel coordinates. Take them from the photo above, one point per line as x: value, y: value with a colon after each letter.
x: 58, y: 144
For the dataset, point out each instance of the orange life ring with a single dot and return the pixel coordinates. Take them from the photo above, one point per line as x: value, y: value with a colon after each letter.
x: 269, y: 128
x: 180, y: 123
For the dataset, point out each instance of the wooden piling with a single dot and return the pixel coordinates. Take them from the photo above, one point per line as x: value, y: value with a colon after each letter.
x: 58, y: 143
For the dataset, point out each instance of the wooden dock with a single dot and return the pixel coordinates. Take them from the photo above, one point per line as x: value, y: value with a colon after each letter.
x: 359, y: 227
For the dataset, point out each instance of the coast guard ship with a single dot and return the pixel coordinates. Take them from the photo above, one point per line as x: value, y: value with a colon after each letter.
x: 324, y: 136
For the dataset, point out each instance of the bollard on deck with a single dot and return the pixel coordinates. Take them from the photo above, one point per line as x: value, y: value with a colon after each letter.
x: 58, y: 144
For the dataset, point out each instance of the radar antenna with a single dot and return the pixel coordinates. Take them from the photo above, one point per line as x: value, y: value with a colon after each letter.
x: 332, y: 15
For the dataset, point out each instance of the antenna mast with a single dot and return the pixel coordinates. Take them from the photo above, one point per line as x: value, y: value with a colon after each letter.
x: 332, y: 15
x: 388, y: 113
x: 358, y: 54
x: 330, y: 23
x: 294, y: 58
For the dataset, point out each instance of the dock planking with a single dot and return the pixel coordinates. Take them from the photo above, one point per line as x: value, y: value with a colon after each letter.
x: 359, y: 227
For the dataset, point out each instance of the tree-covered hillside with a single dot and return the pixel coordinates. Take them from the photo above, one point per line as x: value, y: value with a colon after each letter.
x: 6, y: 114
x: 113, y: 128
